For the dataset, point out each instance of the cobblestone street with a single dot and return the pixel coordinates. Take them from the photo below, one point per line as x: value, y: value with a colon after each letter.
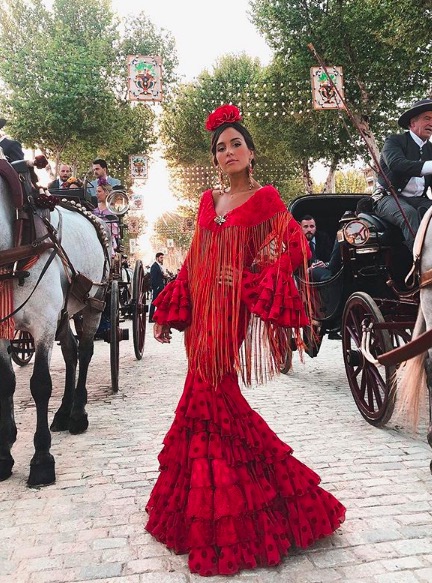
x: 89, y: 525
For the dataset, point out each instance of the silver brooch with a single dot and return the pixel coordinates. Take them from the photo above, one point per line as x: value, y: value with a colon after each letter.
x: 219, y: 220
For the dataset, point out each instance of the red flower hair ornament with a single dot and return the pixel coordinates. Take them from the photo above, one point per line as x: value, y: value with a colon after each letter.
x: 221, y: 115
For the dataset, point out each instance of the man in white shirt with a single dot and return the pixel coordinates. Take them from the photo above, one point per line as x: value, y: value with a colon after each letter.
x: 406, y: 161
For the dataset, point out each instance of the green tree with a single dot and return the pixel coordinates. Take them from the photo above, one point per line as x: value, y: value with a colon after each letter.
x: 177, y: 226
x: 235, y: 79
x: 384, y: 48
x: 64, y: 73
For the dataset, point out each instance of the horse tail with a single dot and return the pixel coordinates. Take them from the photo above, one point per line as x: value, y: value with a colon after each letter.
x: 412, y: 385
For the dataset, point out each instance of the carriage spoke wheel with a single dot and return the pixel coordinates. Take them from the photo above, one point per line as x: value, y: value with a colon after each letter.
x: 115, y: 335
x: 22, y: 347
x: 139, y: 311
x: 373, y: 387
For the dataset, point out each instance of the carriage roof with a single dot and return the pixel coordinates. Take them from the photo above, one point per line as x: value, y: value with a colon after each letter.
x: 327, y: 209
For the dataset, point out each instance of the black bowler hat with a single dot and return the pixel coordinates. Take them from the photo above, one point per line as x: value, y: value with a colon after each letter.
x: 2, y: 122
x: 416, y: 109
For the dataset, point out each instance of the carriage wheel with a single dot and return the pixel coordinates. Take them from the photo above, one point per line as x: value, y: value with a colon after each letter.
x: 312, y: 337
x: 373, y: 387
x: 22, y: 347
x: 140, y: 308
x: 115, y: 336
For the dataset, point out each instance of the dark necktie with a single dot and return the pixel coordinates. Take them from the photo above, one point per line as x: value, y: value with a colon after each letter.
x: 312, y: 248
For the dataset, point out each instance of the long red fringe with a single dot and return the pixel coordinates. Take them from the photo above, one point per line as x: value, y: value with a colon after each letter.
x: 215, y: 264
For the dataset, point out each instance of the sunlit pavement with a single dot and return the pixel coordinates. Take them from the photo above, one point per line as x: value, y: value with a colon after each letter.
x: 89, y: 526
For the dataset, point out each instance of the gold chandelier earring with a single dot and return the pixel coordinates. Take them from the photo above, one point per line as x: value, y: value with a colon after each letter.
x: 221, y: 178
x: 250, y: 174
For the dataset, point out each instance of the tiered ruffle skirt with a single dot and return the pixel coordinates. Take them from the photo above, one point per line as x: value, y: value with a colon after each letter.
x: 230, y: 492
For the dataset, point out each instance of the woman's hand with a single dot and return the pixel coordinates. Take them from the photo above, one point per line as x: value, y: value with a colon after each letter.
x: 162, y: 333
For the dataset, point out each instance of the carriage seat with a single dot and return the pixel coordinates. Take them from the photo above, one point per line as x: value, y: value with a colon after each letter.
x: 388, y: 234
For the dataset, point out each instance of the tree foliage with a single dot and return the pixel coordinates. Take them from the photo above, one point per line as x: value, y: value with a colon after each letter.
x: 384, y: 48
x: 176, y: 226
x: 187, y: 144
x: 65, y: 79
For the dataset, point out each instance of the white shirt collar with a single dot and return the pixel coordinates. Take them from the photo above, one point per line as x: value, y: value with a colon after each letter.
x: 418, y: 140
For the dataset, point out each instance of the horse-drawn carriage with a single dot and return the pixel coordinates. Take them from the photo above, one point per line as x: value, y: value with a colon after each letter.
x: 56, y: 267
x: 367, y: 299
x: 126, y: 294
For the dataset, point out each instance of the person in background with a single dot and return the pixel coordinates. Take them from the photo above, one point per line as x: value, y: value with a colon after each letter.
x: 319, y: 241
x: 100, y: 171
x: 103, y: 212
x: 73, y: 183
x: 230, y: 493
x: 157, y: 281
x: 406, y: 162
x: 65, y: 172
x: 12, y: 149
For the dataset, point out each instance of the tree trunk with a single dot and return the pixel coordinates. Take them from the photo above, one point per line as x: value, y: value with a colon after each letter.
x: 306, y: 175
x: 329, y: 185
x: 368, y: 137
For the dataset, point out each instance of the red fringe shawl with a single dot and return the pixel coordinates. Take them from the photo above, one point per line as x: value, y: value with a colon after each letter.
x: 245, y: 265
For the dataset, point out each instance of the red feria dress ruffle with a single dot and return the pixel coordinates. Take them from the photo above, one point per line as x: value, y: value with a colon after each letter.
x: 230, y: 493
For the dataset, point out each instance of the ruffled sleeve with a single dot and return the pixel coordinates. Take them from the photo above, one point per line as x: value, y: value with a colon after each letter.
x: 173, y: 304
x: 272, y: 294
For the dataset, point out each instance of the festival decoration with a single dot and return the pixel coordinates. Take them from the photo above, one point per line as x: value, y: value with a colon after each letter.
x: 138, y: 166
x: 144, y: 78
x: 327, y: 94
x: 133, y: 225
x: 136, y: 201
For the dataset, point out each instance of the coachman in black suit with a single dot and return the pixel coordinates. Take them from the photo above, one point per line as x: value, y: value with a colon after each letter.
x: 406, y: 161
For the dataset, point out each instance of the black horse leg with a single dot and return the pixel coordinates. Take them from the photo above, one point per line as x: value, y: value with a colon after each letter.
x: 8, y: 431
x: 69, y: 350
x: 78, y: 422
x: 42, y: 465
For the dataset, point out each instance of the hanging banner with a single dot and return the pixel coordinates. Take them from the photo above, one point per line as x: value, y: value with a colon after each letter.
x: 325, y: 92
x: 136, y: 202
x: 138, y: 166
x: 133, y: 225
x: 144, y: 78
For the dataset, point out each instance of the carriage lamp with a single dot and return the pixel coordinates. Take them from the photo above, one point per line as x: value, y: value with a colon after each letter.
x: 117, y: 202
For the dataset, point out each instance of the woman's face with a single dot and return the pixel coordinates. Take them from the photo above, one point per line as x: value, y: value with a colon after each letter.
x: 101, y: 194
x: 232, y: 153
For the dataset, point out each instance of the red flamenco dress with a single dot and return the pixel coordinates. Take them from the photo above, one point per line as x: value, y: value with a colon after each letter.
x: 230, y: 493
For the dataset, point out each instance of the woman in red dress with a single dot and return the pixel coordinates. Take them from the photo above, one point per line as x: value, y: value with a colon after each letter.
x: 230, y: 493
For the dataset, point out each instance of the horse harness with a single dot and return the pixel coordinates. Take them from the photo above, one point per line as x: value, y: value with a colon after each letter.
x: 33, y: 234
x: 425, y: 278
